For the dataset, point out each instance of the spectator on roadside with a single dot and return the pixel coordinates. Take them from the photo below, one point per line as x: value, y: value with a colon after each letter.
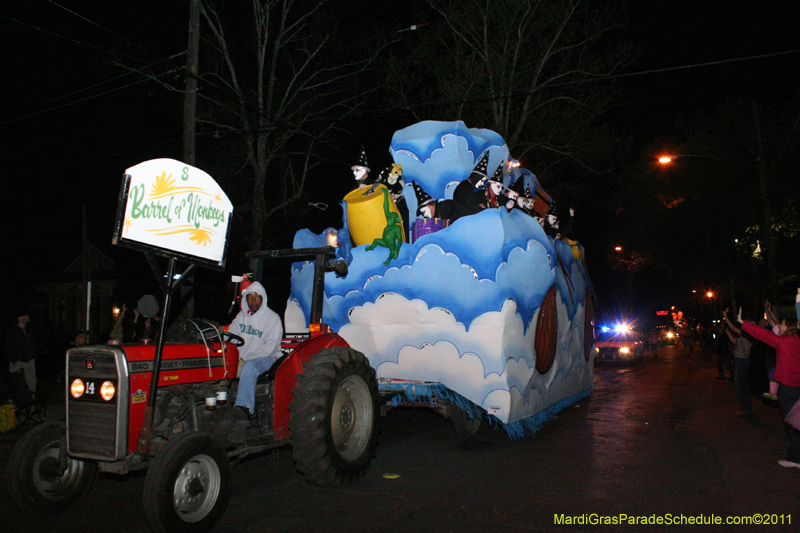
x: 708, y: 343
x: 4, y: 373
x: 653, y: 342
x: 741, y: 364
x: 687, y: 339
x: 787, y: 374
x: 20, y: 349
x: 772, y: 318
x: 766, y: 353
x: 121, y: 330
x: 146, y: 321
x: 772, y: 324
x: 723, y: 353
x: 81, y: 338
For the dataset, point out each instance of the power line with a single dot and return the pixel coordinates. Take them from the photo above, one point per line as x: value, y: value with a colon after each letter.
x: 91, y: 22
x: 103, y: 50
x: 685, y: 67
x: 48, y: 32
x: 82, y: 17
x: 595, y: 79
x: 53, y: 108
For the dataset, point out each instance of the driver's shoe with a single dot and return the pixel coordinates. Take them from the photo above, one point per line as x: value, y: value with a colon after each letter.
x: 241, y: 413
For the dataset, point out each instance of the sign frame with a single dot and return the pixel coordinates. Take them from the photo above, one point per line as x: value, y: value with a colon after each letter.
x: 119, y: 237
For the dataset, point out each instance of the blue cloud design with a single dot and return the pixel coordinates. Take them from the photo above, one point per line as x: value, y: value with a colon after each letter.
x: 465, y: 269
x: 470, y: 271
x: 435, y: 153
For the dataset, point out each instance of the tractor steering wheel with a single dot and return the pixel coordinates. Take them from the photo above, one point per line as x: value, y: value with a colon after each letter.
x: 235, y: 339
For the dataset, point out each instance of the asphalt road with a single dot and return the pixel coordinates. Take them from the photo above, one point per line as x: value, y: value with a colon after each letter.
x: 657, y: 440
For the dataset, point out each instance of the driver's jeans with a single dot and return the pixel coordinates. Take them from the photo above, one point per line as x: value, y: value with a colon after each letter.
x: 247, y: 381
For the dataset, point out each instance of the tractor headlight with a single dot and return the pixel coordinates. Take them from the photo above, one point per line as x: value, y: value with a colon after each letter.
x: 107, y: 390
x: 77, y: 388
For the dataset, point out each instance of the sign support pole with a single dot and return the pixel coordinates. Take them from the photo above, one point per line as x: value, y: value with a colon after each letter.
x: 169, y: 287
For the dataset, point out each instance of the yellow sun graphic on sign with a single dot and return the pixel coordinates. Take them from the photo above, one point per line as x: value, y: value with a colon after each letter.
x: 200, y: 236
x: 165, y: 186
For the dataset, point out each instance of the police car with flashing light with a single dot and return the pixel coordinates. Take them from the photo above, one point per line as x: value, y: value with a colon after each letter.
x: 618, y: 344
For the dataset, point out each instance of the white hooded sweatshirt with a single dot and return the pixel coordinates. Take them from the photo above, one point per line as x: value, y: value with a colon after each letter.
x: 262, y: 331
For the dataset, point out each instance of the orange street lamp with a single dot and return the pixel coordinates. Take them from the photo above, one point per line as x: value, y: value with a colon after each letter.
x: 765, y: 210
x: 669, y: 158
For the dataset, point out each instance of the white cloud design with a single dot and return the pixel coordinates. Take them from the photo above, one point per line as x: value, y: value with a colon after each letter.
x: 492, y: 364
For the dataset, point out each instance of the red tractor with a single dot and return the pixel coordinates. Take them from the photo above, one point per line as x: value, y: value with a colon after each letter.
x: 321, y: 398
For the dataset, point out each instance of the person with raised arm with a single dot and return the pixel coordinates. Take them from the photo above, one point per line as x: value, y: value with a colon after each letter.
x: 787, y: 374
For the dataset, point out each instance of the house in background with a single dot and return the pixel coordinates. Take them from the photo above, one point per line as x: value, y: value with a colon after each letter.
x: 86, y: 286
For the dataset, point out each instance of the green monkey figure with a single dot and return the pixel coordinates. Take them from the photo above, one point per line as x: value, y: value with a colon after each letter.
x: 392, y: 233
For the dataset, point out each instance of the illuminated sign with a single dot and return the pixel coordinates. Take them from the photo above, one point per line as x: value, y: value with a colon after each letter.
x: 662, y: 313
x: 175, y: 209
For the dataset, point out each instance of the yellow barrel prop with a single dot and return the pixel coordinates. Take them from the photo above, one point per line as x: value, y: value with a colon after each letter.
x: 365, y: 215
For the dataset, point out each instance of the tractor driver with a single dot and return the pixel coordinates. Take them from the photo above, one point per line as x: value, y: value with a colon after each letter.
x: 261, y: 329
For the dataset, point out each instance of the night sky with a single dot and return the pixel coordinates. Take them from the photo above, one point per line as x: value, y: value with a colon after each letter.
x: 72, y: 122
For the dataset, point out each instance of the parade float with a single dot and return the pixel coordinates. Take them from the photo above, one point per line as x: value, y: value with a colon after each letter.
x: 491, y: 312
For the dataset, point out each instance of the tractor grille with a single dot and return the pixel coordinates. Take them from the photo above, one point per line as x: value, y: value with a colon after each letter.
x: 92, y: 429
x: 96, y: 428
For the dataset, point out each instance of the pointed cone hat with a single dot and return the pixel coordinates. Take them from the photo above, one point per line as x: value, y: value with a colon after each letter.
x: 498, y: 175
x: 479, y: 172
x: 423, y: 198
x: 362, y: 159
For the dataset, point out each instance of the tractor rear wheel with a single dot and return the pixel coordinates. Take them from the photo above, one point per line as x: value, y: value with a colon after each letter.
x: 334, y: 417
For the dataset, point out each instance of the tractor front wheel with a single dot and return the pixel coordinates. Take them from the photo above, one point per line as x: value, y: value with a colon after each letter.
x: 188, y: 485
x: 37, y: 481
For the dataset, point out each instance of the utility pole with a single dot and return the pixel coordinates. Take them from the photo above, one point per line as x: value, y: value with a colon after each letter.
x: 87, y: 279
x: 766, y: 214
x: 190, y: 119
x: 190, y: 101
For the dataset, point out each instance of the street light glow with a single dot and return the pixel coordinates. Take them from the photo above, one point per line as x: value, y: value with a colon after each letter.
x: 664, y: 159
x: 710, y: 294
